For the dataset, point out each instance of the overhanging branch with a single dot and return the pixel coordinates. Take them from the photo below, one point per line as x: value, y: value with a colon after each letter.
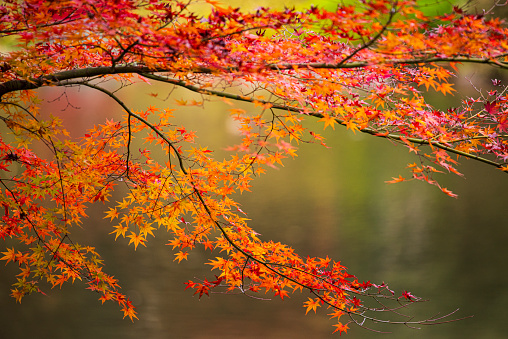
x: 59, y: 78
x: 65, y: 78
x: 318, y: 115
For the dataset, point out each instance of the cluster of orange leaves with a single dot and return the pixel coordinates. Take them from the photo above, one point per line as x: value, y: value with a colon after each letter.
x: 361, y: 67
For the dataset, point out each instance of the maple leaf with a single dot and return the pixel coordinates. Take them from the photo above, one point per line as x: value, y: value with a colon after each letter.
x: 503, y: 124
x: 277, y: 158
x: 395, y: 180
x: 136, y: 239
x: 427, y: 81
x: 329, y: 121
x: 201, y: 289
x: 352, y: 126
x: 17, y: 294
x: 341, y: 328
x: 281, y: 293
x: 181, y: 255
x: 10, y: 255
x: 112, y: 214
x: 336, y: 314
x: 445, y: 87
x: 120, y: 230
x: 311, y: 304
x: 217, y: 264
x: 448, y: 192
x: 491, y: 107
x: 208, y: 245
x: 408, y: 296
x: 129, y: 312
x: 145, y: 229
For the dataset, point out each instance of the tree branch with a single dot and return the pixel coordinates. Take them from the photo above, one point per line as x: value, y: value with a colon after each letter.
x: 58, y: 79
x: 318, y: 115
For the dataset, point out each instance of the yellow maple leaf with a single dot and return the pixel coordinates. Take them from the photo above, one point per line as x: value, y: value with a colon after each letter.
x: 146, y: 229
x: 120, y: 230
x: 112, y: 213
x: 136, y: 239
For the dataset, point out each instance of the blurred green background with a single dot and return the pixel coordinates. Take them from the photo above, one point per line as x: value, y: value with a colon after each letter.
x: 325, y: 202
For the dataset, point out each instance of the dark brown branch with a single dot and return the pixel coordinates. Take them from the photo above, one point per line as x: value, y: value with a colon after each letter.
x: 58, y: 79
x: 360, y: 64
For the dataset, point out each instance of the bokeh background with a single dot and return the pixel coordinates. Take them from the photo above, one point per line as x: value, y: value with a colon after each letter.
x: 325, y: 202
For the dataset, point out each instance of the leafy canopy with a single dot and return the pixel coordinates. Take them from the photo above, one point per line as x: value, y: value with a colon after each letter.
x: 364, y: 67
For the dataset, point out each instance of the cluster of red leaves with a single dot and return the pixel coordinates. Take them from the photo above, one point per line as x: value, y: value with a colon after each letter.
x: 362, y: 67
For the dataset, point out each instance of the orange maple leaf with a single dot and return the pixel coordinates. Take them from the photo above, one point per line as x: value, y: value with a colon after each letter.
x: 448, y: 192
x: 341, y: 327
x: 129, y: 312
x: 352, y: 126
x: 10, y: 255
x: 395, y: 180
x: 329, y: 121
x: 181, y: 255
x: 445, y: 88
x: 311, y: 304
x: 282, y: 293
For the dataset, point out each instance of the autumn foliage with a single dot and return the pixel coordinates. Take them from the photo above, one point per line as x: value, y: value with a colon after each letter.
x: 364, y: 67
